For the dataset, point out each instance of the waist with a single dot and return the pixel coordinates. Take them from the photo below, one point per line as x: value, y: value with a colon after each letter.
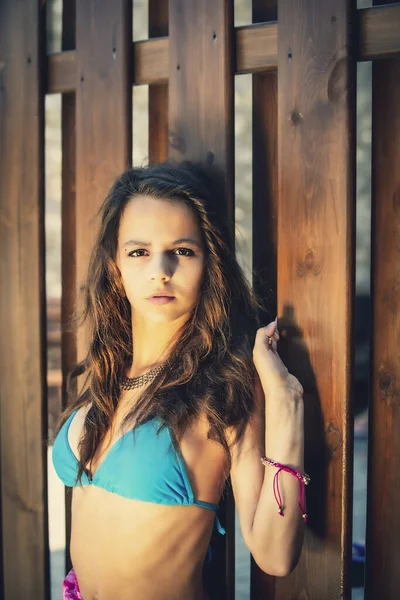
x: 115, y: 539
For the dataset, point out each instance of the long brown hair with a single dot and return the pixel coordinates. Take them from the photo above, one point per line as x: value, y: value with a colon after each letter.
x: 210, y: 368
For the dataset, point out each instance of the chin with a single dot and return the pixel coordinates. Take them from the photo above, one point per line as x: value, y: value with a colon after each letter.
x: 159, y: 315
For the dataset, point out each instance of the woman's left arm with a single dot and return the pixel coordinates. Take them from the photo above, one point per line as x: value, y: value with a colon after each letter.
x: 275, y: 430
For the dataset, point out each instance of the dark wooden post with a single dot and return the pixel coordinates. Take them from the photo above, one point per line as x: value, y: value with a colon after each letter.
x: 265, y: 210
x: 316, y: 243
x: 68, y: 235
x: 201, y: 74
x: 383, y: 519
x: 158, y: 94
x: 103, y: 115
x: 201, y: 85
x: 23, y: 409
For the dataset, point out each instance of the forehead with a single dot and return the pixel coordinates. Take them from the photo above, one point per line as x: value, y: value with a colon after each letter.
x: 169, y: 218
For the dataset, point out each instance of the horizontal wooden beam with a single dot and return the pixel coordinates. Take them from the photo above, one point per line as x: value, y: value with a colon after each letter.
x: 150, y: 66
x: 61, y: 68
x: 379, y: 32
x: 151, y: 61
x: 256, y: 50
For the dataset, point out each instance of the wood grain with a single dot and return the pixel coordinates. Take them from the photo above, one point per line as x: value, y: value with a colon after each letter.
x: 379, y: 28
x: 68, y: 238
x: 383, y: 520
x: 265, y: 211
x: 158, y: 94
x: 23, y: 406
x: 103, y: 118
x: 256, y: 50
x: 151, y: 59
x: 201, y: 86
x: 316, y: 242
x: 61, y: 72
x: 201, y: 128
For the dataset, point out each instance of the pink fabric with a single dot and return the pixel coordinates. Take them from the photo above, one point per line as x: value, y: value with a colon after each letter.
x: 70, y: 588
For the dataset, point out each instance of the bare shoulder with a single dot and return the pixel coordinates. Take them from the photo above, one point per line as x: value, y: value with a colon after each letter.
x: 196, y: 435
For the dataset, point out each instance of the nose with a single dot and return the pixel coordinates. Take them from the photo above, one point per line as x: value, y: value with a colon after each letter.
x: 160, y: 268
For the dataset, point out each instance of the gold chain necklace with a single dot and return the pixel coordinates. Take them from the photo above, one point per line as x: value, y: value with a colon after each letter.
x: 129, y: 383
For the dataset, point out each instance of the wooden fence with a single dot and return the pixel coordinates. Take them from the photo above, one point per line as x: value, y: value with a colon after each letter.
x: 303, y: 237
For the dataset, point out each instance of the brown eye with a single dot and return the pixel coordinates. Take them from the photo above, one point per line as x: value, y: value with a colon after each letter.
x: 186, y: 250
x: 133, y: 251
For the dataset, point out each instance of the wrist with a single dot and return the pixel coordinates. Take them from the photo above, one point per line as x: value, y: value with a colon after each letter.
x: 282, y: 394
x: 287, y: 389
x: 284, y: 418
x: 291, y: 458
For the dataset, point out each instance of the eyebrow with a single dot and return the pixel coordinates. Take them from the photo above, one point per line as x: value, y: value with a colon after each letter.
x: 183, y: 240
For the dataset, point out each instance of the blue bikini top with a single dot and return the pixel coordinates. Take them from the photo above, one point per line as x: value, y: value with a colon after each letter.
x: 140, y: 465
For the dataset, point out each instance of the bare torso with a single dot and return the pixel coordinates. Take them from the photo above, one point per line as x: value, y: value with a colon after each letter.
x: 130, y: 549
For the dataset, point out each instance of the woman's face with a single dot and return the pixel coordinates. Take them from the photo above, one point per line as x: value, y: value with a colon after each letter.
x: 160, y: 249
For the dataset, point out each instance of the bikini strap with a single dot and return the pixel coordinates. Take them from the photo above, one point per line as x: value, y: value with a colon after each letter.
x: 217, y: 523
x: 220, y: 529
x: 205, y: 504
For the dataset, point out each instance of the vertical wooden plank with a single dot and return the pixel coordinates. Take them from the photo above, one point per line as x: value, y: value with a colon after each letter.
x: 383, y: 520
x: 201, y: 127
x: 316, y: 247
x: 103, y: 116
x: 158, y: 94
x: 68, y: 237
x: 265, y: 209
x: 201, y: 85
x: 23, y: 410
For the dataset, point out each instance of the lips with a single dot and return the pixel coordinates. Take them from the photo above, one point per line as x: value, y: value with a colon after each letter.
x: 161, y: 295
x: 161, y: 299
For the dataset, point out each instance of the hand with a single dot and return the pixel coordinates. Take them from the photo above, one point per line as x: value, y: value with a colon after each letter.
x: 273, y: 374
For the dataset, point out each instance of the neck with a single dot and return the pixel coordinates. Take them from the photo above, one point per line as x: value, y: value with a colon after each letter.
x: 152, y: 343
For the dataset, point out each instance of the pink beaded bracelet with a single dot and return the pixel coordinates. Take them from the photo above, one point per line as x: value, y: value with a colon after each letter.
x: 303, y: 478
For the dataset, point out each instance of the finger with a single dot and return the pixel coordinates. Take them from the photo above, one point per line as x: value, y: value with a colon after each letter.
x: 272, y: 341
x: 271, y: 328
x: 271, y: 331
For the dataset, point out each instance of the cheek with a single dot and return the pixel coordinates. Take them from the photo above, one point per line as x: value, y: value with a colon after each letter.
x: 194, y: 279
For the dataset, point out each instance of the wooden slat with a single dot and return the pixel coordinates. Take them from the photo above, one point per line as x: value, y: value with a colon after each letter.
x: 316, y: 241
x: 23, y: 410
x: 265, y: 209
x: 68, y: 237
x: 201, y: 127
x: 379, y: 32
x: 61, y: 72
x: 158, y: 94
x: 256, y: 50
x: 201, y: 76
x: 103, y: 116
x: 151, y: 61
x: 265, y: 173
x: 383, y: 520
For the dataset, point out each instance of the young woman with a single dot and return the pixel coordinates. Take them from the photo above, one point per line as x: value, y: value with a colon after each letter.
x: 183, y: 388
